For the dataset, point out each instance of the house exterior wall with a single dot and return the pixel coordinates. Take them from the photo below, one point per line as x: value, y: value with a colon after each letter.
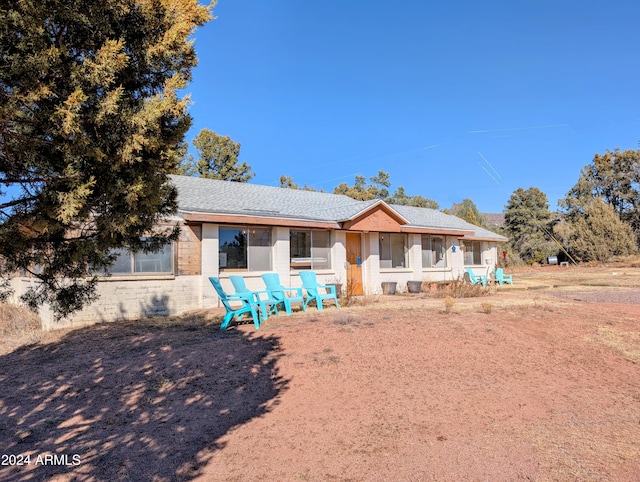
x: 126, y: 298
x: 138, y: 296
x: 210, y: 266
x: 188, y: 253
x: 371, y: 264
x: 374, y: 276
x: 456, y: 259
x: 454, y: 266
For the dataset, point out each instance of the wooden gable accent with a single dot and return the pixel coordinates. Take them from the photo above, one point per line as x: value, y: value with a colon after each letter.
x: 189, y: 250
x: 378, y: 219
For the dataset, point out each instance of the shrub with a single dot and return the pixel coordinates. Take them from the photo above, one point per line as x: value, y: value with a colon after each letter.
x: 460, y: 289
x: 487, y: 307
x: 449, y: 303
x: 17, y: 320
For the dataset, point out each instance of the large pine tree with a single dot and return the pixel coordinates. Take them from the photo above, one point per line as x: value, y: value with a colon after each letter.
x: 528, y: 225
x: 90, y: 125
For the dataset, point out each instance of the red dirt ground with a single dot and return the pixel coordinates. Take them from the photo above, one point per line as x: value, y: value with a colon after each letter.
x: 544, y: 387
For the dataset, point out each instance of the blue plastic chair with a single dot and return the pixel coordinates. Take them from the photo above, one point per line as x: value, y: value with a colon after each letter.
x: 311, y: 286
x: 503, y: 278
x: 267, y: 304
x: 473, y: 278
x: 281, y: 294
x: 247, y: 305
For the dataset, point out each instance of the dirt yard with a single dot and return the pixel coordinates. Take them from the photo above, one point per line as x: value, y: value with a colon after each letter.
x: 539, y: 381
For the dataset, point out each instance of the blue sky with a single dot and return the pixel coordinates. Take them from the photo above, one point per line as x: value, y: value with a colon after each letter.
x: 454, y: 99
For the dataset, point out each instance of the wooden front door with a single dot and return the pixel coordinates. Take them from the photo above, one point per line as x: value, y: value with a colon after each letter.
x: 354, y: 264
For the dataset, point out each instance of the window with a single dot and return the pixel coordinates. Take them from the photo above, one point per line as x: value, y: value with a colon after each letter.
x: 310, y: 249
x: 472, y: 252
x: 127, y: 262
x: 246, y: 248
x: 393, y: 250
x: 433, y: 252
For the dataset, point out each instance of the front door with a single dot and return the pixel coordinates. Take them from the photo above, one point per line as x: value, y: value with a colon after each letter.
x: 354, y: 264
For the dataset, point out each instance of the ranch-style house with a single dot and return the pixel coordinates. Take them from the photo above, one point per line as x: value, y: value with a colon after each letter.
x: 249, y: 229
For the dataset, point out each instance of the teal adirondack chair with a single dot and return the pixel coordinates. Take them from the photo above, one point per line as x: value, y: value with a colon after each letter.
x: 267, y: 304
x: 247, y: 305
x: 281, y: 294
x: 311, y: 286
x: 473, y: 278
x: 503, y: 278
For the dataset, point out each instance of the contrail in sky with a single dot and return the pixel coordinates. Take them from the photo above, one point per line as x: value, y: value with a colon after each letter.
x: 489, y: 164
x: 517, y: 128
x: 490, y: 175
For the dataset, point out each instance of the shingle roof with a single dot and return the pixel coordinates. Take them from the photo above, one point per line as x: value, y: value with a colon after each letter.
x: 198, y: 195
x: 225, y: 197
x: 425, y: 217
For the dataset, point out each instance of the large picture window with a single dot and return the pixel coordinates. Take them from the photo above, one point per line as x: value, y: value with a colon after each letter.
x: 310, y: 249
x: 472, y: 252
x: 128, y: 263
x: 244, y: 248
x: 393, y: 250
x: 433, y: 252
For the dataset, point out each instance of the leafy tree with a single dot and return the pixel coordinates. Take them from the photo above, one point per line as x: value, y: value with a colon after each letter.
x: 468, y: 211
x: 288, y: 183
x: 528, y: 225
x: 598, y: 234
x: 90, y: 126
x: 615, y: 177
x: 378, y: 189
x: 218, y: 159
x: 365, y: 192
x: 400, y: 197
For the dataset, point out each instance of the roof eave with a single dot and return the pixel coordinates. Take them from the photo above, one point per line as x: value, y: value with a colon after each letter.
x: 435, y: 230
x: 195, y: 216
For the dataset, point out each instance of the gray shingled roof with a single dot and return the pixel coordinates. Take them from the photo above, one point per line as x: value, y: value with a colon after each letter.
x: 424, y: 217
x: 200, y: 195
x: 225, y: 197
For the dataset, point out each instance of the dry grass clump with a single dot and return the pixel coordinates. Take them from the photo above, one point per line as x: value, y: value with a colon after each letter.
x: 363, y: 300
x: 18, y: 326
x: 449, y: 303
x: 16, y: 321
x: 487, y: 307
x: 344, y: 318
x: 460, y: 289
x: 625, y: 261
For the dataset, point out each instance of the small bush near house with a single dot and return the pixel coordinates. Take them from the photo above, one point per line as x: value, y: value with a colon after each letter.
x: 353, y: 300
x: 487, y: 307
x: 460, y: 289
x: 16, y: 320
x: 18, y: 326
x: 449, y: 303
